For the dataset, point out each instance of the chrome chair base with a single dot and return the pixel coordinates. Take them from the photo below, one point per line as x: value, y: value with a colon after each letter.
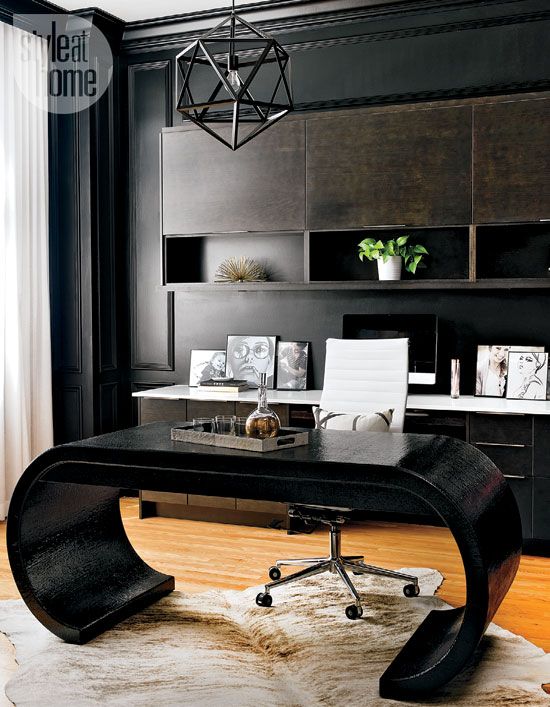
x: 337, y: 564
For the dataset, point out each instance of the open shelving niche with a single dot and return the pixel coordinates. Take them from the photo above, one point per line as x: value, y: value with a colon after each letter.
x: 482, y: 256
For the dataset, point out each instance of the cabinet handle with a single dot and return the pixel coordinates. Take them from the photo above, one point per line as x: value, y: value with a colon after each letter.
x: 513, y: 476
x: 499, y: 444
x: 388, y: 225
x: 417, y: 414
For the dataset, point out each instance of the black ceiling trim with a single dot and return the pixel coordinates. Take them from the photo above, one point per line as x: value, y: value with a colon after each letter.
x: 419, y: 96
x: 9, y: 8
x: 376, y: 8
x: 417, y: 31
x: 175, y: 40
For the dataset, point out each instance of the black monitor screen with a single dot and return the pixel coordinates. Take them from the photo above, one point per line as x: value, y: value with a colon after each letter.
x: 419, y: 329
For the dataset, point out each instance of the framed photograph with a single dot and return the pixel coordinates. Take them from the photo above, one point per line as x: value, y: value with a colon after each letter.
x: 527, y: 375
x: 292, y: 357
x: 248, y: 356
x: 492, y: 368
x: 206, y: 364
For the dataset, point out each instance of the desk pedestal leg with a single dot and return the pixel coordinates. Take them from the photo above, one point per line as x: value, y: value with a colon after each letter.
x: 72, y: 560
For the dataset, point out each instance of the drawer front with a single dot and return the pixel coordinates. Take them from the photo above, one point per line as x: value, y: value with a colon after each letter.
x: 501, y: 429
x: 512, y: 461
x: 541, y: 461
x: 164, y: 497
x: 209, y: 408
x: 541, y: 509
x: 194, y: 499
x: 523, y: 493
x: 155, y: 410
x: 246, y: 504
x: 436, y: 422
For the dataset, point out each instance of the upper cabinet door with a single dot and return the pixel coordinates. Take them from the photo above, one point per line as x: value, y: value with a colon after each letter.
x: 512, y: 161
x: 207, y: 188
x: 410, y: 167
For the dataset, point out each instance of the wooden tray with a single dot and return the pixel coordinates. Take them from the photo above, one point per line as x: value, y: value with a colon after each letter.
x: 287, y: 437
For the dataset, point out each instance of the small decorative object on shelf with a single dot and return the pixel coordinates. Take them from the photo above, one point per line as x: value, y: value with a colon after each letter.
x: 390, y: 255
x: 241, y: 269
x: 455, y: 378
x: 262, y: 422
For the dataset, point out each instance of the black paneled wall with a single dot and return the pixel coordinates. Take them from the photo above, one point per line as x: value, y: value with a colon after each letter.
x: 466, y: 319
x: 374, y: 55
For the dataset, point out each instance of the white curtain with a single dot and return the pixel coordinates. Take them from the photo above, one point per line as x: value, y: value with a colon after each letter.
x: 26, y: 427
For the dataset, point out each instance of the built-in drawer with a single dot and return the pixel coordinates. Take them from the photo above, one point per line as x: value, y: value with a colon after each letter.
x: 247, y: 504
x: 501, y: 429
x: 523, y: 493
x: 541, y: 461
x: 158, y: 410
x: 541, y: 509
x: 209, y: 408
x: 194, y: 499
x: 512, y: 461
x: 164, y: 497
x: 436, y: 422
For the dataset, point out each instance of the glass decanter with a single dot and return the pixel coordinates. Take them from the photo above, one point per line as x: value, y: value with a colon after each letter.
x: 262, y: 422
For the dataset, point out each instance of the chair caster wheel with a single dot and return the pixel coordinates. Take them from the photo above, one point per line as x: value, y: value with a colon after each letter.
x: 274, y: 573
x: 411, y: 590
x: 353, y: 612
x: 264, y: 599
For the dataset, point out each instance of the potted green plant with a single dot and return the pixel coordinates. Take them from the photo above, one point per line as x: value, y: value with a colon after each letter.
x: 390, y: 255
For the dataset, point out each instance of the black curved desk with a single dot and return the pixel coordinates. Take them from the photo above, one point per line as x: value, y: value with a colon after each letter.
x: 79, y: 574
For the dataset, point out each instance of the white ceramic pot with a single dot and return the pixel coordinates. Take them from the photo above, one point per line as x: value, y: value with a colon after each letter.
x: 391, y: 269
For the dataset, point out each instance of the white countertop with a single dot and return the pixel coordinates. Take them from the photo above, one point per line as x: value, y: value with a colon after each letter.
x: 466, y: 403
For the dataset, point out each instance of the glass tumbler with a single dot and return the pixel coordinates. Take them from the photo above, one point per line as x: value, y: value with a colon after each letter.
x: 240, y: 426
x: 203, y: 424
x: 225, y: 424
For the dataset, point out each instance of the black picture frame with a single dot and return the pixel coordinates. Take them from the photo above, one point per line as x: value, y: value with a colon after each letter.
x: 292, y: 365
x: 205, y: 364
x: 245, y: 358
x: 527, y: 375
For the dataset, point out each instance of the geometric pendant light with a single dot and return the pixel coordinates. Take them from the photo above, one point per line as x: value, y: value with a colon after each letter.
x: 235, y: 82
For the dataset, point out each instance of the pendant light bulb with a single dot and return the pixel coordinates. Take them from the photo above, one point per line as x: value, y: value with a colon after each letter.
x: 234, y: 79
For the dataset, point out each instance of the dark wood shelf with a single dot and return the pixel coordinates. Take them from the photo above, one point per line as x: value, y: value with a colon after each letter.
x: 510, y: 283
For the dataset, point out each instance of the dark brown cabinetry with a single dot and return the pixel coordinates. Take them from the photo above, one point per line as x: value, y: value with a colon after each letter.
x: 408, y: 167
x: 508, y: 441
x: 207, y: 188
x: 512, y: 161
x: 380, y: 172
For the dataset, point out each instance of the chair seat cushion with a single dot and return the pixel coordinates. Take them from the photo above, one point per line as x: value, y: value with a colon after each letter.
x: 368, y: 422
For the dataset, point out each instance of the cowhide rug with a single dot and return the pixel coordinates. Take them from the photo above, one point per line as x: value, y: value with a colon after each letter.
x: 219, y: 648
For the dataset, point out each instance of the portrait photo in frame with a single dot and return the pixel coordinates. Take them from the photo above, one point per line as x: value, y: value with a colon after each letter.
x: 292, y: 362
x: 248, y: 355
x: 492, y: 368
x: 206, y: 364
x: 527, y: 375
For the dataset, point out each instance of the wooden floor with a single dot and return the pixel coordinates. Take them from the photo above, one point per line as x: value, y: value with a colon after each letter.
x: 207, y: 555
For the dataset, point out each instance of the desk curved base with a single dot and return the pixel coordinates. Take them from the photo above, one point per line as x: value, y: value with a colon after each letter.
x: 79, y: 574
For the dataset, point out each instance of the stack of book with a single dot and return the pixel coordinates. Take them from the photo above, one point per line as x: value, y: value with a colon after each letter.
x: 224, y: 385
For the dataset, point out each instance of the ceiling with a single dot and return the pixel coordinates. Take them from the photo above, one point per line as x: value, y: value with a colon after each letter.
x: 130, y: 10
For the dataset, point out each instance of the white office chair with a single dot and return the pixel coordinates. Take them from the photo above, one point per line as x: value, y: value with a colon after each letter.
x: 361, y: 376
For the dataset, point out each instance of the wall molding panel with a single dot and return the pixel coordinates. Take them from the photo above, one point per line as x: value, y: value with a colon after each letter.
x: 152, y: 312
